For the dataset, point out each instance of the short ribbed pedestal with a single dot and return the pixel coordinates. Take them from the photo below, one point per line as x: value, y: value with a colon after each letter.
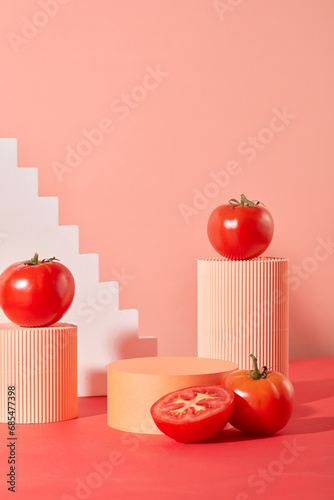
x: 243, y: 309
x: 41, y: 363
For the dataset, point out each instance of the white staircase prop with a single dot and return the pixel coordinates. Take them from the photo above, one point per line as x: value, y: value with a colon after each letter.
x: 29, y: 224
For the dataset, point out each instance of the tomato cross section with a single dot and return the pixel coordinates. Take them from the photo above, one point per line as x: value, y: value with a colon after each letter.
x: 193, y: 414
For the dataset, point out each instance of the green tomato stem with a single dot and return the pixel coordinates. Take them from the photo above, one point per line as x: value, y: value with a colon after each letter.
x: 34, y: 260
x: 256, y: 374
x: 49, y: 260
x: 244, y: 202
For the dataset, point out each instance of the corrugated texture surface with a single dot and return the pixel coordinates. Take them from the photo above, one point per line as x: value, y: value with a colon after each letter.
x: 243, y: 308
x: 42, y: 365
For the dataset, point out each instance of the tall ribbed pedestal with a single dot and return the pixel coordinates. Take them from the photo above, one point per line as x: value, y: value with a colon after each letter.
x: 243, y: 308
x: 41, y: 363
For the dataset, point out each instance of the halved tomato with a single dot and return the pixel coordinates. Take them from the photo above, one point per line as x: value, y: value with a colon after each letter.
x: 193, y: 414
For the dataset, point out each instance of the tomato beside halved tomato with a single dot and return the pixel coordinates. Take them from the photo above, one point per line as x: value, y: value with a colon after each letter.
x: 193, y: 414
x: 36, y: 293
x: 263, y: 400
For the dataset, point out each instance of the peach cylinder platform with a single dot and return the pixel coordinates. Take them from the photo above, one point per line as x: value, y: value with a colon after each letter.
x: 243, y: 308
x: 135, y: 384
x: 41, y: 363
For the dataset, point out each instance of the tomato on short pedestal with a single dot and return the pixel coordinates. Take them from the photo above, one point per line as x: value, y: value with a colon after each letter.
x: 36, y: 293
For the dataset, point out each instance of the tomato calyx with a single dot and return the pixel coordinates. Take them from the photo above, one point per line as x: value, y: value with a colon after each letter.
x: 256, y: 374
x: 244, y: 202
x: 34, y: 260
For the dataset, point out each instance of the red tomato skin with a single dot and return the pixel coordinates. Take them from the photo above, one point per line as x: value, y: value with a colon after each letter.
x: 240, y: 232
x: 195, y: 431
x: 36, y: 295
x: 261, y: 407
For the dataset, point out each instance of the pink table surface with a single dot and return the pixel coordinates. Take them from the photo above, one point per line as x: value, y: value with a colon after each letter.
x: 84, y: 458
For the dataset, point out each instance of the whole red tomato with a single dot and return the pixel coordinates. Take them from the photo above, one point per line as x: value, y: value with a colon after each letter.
x: 36, y: 293
x: 193, y: 414
x: 240, y: 230
x: 263, y: 401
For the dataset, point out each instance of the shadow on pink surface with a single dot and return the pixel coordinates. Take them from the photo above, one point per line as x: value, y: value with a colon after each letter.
x: 309, y: 425
x: 295, y: 426
x: 308, y: 391
x: 91, y: 406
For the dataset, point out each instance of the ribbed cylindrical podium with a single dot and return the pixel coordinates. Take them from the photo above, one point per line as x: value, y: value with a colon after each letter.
x: 243, y: 308
x: 41, y: 364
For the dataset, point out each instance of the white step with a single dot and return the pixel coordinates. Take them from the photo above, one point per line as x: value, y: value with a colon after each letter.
x: 29, y: 224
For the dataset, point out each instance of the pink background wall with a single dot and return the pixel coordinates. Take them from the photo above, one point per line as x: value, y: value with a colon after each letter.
x: 196, y: 102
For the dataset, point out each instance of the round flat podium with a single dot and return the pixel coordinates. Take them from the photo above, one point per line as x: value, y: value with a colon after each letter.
x: 135, y: 384
x: 41, y: 365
